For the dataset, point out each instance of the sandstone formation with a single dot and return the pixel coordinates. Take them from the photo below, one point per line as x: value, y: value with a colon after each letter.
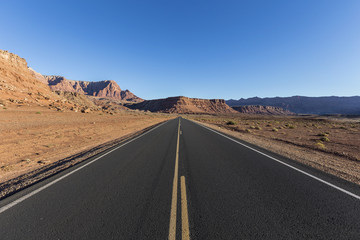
x: 184, y: 105
x: 258, y: 109
x: 38, y: 76
x: 21, y: 85
x: 103, y: 89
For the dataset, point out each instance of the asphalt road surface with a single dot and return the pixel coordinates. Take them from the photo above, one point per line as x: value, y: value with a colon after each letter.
x: 184, y: 181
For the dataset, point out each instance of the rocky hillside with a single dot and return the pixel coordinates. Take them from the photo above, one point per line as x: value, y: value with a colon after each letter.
x: 258, y: 109
x: 184, y: 105
x: 306, y: 105
x: 20, y: 84
x: 81, y: 103
x: 103, y: 89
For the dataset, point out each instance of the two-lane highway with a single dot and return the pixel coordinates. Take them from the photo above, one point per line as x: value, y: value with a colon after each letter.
x: 180, y: 181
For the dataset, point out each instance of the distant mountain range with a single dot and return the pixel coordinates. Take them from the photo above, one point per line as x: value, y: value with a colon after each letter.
x: 306, y: 105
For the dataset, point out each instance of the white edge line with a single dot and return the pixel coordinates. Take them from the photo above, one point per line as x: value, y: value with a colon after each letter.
x: 19, y: 200
x: 288, y: 165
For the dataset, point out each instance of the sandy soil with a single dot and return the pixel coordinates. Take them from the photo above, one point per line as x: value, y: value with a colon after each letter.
x: 328, y: 144
x: 32, y: 137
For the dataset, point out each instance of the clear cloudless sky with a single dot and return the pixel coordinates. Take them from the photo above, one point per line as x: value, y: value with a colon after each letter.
x: 195, y: 48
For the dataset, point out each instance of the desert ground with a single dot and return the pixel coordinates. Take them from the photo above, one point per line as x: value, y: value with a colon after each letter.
x: 330, y: 144
x: 34, y: 136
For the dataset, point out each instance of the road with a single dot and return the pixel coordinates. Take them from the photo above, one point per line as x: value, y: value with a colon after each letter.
x: 183, y: 181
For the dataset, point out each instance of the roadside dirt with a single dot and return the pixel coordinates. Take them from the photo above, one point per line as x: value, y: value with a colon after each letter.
x: 331, y: 145
x: 34, y: 137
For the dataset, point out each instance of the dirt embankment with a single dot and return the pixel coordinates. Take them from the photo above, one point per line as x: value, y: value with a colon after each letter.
x: 32, y: 137
x: 328, y: 144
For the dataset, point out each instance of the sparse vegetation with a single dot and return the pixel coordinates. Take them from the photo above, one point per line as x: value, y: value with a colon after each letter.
x: 275, y: 130
x: 323, y: 134
x: 290, y: 126
x: 38, y: 112
x: 320, y: 145
x: 231, y: 122
x: 325, y: 139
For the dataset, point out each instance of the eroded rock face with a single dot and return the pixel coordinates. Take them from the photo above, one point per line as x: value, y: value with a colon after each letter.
x: 20, y: 84
x: 103, y: 89
x: 258, y: 109
x: 38, y: 76
x: 184, y: 105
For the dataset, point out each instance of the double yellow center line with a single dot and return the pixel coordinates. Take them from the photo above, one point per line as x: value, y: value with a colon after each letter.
x: 184, y: 211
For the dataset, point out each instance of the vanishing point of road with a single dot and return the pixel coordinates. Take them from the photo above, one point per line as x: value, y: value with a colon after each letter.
x: 182, y: 180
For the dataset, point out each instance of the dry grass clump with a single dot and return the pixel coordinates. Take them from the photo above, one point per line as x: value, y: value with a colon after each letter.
x: 290, y: 126
x: 320, y: 145
x: 323, y: 134
x: 325, y: 139
x: 275, y: 130
x: 231, y: 122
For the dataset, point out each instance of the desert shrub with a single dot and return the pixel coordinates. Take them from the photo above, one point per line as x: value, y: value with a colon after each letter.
x: 248, y: 131
x: 325, y: 139
x: 231, y: 122
x: 275, y: 130
x: 320, y: 145
x: 38, y: 112
x: 258, y: 128
x: 291, y: 126
x: 322, y: 134
x: 252, y: 127
x: 268, y: 125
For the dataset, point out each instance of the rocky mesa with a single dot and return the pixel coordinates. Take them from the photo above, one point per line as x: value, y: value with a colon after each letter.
x: 184, y: 105
x: 265, y: 110
x: 102, y: 89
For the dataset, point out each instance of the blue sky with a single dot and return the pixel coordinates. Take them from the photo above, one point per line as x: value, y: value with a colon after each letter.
x: 198, y: 48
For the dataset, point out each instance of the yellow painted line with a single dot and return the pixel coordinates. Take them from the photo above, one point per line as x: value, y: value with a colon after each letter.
x: 172, y: 227
x: 184, y: 211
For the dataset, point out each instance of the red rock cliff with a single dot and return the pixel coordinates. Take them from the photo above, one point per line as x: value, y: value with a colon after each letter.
x: 104, y: 89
